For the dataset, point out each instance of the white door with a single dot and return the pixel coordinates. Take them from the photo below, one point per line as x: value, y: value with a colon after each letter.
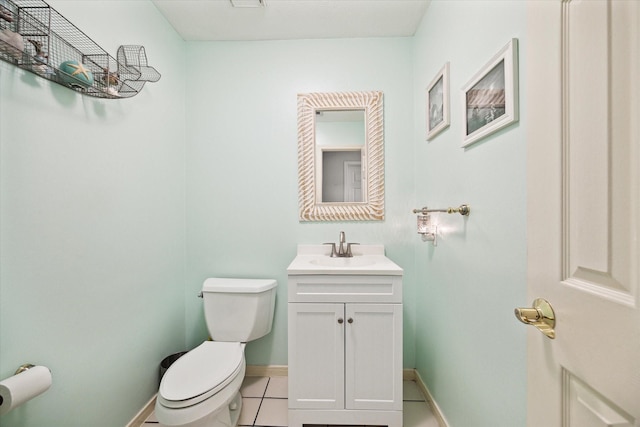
x: 352, y: 181
x: 583, y: 138
x: 316, y: 356
x: 373, y: 356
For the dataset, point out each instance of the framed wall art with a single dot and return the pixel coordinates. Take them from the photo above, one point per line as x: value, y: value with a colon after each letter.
x: 490, y: 98
x: 438, y: 103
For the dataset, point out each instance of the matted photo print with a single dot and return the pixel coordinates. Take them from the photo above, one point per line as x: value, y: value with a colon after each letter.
x: 490, y: 98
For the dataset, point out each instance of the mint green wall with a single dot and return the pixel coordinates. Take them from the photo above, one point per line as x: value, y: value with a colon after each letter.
x: 242, y: 176
x: 92, y: 227
x: 470, y: 349
x: 114, y: 212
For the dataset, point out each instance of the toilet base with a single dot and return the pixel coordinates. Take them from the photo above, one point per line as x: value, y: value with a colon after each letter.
x: 227, y: 416
x: 230, y: 415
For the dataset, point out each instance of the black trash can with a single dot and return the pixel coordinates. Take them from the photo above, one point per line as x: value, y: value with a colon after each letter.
x: 168, y: 361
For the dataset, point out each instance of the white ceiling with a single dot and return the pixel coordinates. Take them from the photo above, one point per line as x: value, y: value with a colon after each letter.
x: 293, y: 19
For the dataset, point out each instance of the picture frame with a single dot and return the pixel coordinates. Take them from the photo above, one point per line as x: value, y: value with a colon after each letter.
x: 490, y: 99
x: 438, y: 111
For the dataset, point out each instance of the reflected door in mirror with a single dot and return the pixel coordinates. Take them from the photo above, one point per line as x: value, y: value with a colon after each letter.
x: 341, y: 176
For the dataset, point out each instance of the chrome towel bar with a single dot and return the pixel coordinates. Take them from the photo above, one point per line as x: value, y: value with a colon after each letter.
x: 462, y: 210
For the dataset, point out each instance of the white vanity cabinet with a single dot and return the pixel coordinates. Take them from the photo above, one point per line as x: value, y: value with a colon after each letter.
x: 345, y: 349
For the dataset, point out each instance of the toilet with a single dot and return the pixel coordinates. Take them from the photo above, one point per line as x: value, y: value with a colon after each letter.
x: 202, y: 388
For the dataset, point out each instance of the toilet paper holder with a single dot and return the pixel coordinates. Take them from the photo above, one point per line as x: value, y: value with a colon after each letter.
x: 23, y: 368
x: 28, y: 382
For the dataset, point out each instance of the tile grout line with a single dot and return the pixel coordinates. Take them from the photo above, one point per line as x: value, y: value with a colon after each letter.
x: 264, y: 393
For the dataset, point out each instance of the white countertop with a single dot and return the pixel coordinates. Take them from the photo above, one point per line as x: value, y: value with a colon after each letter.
x: 366, y: 260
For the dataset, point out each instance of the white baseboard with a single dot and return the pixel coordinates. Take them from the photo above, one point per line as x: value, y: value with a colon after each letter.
x: 266, y: 371
x: 429, y: 398
x: 408, y: 375
x: 144, y: 413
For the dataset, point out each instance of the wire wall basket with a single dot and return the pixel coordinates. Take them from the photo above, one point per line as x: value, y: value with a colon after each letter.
x: 36, y: 38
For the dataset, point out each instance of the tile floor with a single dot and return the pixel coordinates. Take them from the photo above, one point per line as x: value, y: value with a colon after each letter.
x: 264, y: 404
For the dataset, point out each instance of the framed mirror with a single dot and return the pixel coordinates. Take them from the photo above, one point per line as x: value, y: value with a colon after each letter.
x: 341, y: 156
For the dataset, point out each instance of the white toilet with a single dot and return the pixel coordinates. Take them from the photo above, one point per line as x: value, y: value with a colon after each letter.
x: 202, y: 388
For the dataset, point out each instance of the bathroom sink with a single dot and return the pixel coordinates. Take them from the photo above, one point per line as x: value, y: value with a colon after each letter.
x: 355, y: 261
x: 366, y: 260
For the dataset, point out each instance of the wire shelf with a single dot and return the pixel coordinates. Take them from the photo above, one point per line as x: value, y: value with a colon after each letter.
x: 36, y: 38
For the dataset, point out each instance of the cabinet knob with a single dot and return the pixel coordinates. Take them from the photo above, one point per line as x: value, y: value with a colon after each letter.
x: 340, y: 320
x: 350, y: 320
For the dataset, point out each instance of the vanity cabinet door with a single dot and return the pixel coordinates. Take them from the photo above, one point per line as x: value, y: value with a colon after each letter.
x: 316, y: 356
x: 373, y: 356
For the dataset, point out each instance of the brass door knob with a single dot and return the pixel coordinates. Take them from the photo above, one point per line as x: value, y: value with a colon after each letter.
x: 541, y: 315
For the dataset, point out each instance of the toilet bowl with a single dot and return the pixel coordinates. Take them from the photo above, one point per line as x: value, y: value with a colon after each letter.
x: 188, y: 397
x: 202, y: 388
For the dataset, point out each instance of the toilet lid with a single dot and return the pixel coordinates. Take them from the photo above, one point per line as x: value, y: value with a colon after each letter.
x: 203, y: 370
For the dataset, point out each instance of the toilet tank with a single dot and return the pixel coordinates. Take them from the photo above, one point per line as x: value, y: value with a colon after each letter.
x: 239, y: 310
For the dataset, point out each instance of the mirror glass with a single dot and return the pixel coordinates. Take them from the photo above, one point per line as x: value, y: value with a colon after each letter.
x: 340, y: 138
x: 341, y: 156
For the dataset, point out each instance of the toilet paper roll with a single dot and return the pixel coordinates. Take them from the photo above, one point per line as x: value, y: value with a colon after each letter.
x: 16, y: 390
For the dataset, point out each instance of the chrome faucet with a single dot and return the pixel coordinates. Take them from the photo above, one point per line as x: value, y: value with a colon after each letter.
x: 341, y: 247
x: 341, y: 252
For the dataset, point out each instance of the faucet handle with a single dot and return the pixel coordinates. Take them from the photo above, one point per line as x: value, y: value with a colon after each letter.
x: 349, y: 254
x: 333, y: 249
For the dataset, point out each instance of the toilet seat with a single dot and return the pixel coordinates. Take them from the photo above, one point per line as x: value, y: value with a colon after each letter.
x: 201, y: 373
